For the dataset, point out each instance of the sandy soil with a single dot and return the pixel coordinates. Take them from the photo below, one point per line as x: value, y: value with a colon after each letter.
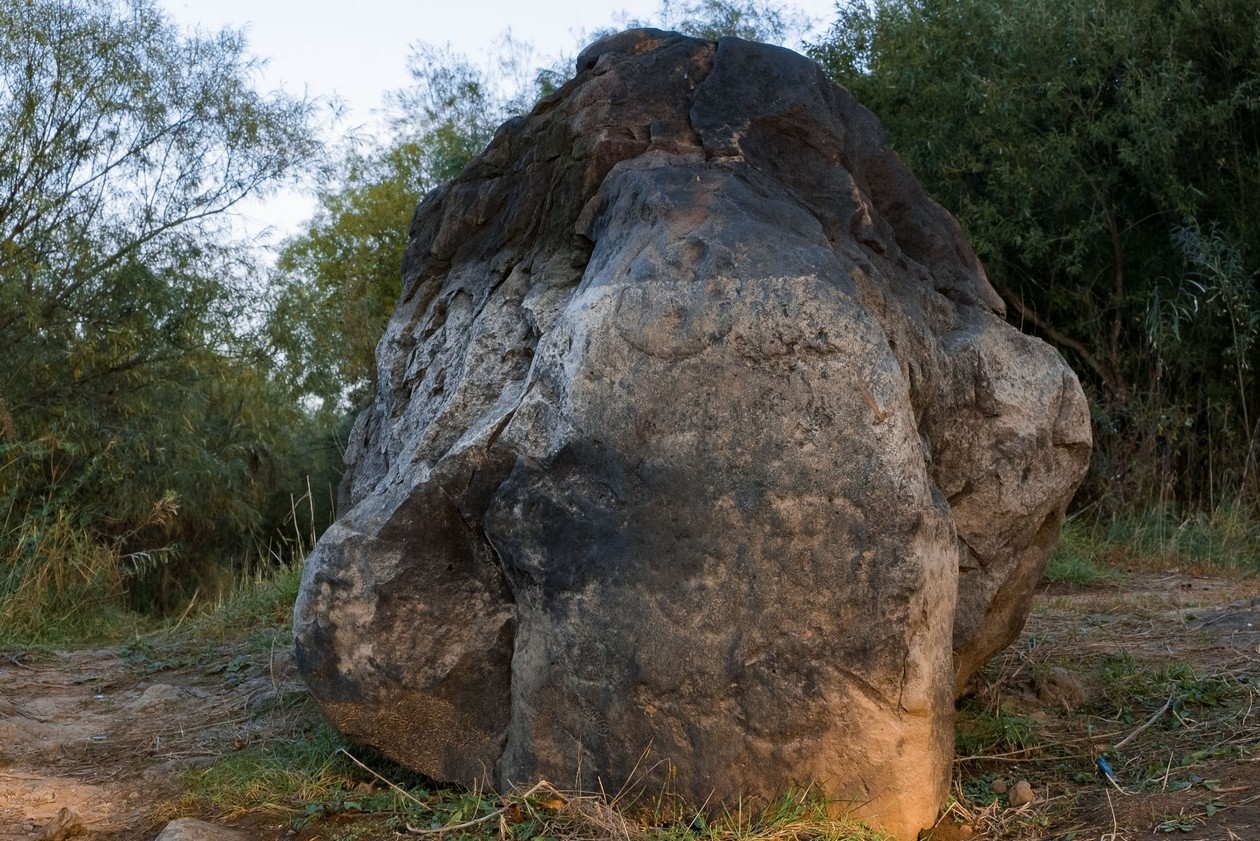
x: 93, y: 743
x: 105, y: 734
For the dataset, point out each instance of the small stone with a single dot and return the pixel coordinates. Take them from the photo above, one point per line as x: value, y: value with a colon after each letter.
x: 1021, y: 794
x: 998, y: 786
x: 155, y: 696
x: 949, y: 831
x: 65, y: 824
x: 190, y: 829
x: 1061, y: 688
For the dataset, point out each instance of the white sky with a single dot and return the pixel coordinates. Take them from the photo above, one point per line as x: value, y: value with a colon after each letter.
x: 357, y: 50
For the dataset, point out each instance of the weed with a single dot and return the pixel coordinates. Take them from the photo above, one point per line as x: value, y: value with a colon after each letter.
x: 978, y: 790
x: 59, y: 585
x: 63, y: 586
x: 1077, y: 559
x: 1090, y: 551
x: 981, y: 731
x: 1177, y: 824
x: 285, y: 777
x: 317, y: 780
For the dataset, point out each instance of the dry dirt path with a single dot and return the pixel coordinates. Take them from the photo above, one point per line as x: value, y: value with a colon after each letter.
x: 1158, y: 674
x: 105, y: 734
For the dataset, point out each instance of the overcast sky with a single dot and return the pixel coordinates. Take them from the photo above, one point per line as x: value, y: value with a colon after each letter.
x: 356, y: 50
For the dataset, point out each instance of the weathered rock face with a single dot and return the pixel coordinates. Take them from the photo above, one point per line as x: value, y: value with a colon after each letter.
x: 700, y: 448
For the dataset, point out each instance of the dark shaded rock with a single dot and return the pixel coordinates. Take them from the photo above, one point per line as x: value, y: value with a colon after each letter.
x: 696, y: 420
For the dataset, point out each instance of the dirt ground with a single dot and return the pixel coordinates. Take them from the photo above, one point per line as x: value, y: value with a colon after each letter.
x: 1157, y: 674
x: 107, y: 734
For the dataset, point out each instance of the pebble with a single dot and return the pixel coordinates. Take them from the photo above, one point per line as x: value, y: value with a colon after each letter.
x: 1060, y: 687
x: 998, y: 786
x: 64, y: 825
x: 190, y: 829
x: 1021, y: 794
x: 156, y: 695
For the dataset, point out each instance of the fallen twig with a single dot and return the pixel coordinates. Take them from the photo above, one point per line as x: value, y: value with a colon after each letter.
x: 392, y: 785
x: 13, y: 658
x: 497, y: 813
x: 1146, y: 724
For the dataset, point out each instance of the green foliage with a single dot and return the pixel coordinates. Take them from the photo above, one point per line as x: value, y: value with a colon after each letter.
x: 57, y: 585
x: 713, y: 19
x: 454, y: 105
x: 338, y: 282
x: 277, y: 776
x: 980, y: 731
x: 1133, y: 691
x: 1077, y: 559
x: 1104, y: 159
x: 141, y: 419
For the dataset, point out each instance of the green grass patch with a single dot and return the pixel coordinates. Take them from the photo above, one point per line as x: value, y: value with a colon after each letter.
x: 258, y: 605
x: 1090, y: 551
x: 983, y: 732
x: 283, y: 777
x: 321, y: 782
x: 1225, y: 539
x: 1131, y: 690
x: 59, y: 586
x: 1079, y: 559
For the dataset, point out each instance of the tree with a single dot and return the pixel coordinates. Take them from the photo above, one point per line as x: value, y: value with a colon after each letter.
x: 1097, y: 154
x: 713, y: 19
x: 135, y: 399
x: 338, y: 282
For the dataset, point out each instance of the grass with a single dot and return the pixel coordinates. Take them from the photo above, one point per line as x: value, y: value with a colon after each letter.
x: 308, y: 777
x: 58, y: 586
x: 1077, y: 560
x: 980, y: 731
x: 1093, y: 551
x: 1169, y: 704
x: 283, y: 777
x: 322, y: 784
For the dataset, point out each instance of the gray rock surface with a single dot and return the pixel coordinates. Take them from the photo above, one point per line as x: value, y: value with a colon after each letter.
x: 191, y: 829
x: 701, y: 453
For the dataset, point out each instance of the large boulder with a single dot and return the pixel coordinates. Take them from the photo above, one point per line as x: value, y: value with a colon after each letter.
x: 701, y: 454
